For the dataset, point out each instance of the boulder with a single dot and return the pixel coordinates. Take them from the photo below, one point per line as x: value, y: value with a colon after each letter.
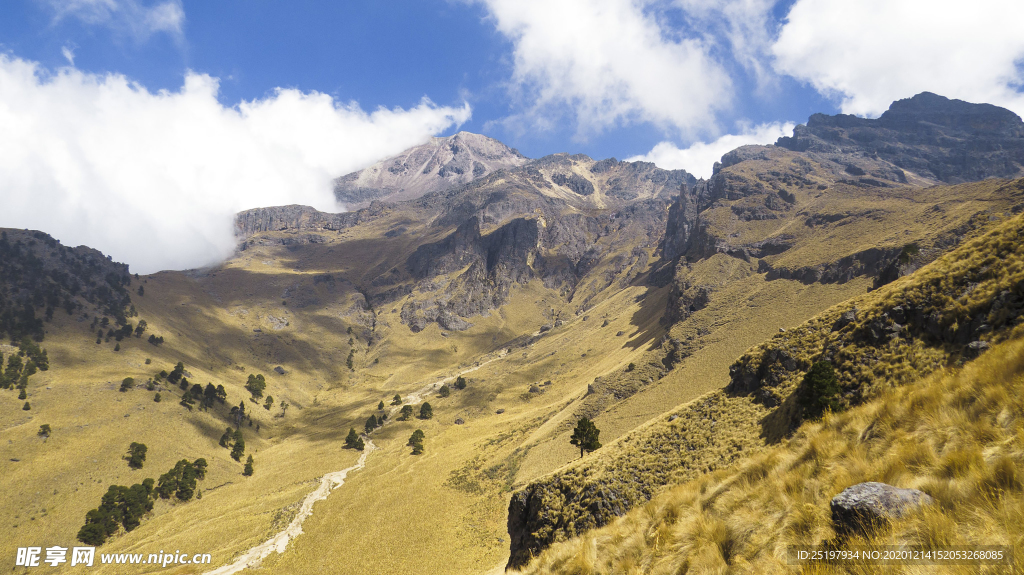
x: 864, y: 506
x: 975, y: 348
x: 279, y: 370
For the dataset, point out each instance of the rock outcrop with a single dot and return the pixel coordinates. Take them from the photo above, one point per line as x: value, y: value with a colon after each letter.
x: 866, y: 506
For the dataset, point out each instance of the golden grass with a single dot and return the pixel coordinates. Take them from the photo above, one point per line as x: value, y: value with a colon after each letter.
x: 958, y: 435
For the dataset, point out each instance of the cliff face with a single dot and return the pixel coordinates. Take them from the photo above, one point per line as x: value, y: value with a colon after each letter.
x: 294, y: 218
x: 934, y: 137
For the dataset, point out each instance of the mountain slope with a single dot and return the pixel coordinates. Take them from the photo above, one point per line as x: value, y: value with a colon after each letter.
x: 948, y: 430
x: 558, y: 288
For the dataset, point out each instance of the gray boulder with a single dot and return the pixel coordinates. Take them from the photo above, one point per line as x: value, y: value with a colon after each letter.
x: 864, y: 506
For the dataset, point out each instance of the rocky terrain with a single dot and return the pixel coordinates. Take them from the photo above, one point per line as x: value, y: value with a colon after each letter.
x: 439, y: 164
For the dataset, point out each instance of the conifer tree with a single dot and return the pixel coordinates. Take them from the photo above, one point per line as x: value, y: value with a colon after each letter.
x: 397, y: 400
x: 351, y: 438
x: 380, y: 406
x: 585, y: 436
x: 239, y: 448
x: 406, y: 413
x: 247, y: 471
x: 426, y: 412
x: 371, y: 424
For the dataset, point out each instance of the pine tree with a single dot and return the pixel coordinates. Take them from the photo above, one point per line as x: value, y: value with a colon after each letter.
x: 239, y: 448
x: 460, y: 382
x: 380, y: 406
x: 406, y: 413
x: 821, y: 390
x: 268, y: 403
x: 445, y: 391
x: 426, y: 412
x: 26, y: 407
x: 227, y: 438
x: 371, y: 423
x: 351, y: 439
x: 585, y: 436
x: 247, y: 471
x: 397, y: 400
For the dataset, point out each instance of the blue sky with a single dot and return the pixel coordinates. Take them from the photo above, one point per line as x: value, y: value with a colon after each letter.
x: 173, y: 114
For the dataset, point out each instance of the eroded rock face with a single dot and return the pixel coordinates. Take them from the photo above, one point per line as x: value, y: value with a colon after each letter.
x: 865, y: 506
x: 947, y: 140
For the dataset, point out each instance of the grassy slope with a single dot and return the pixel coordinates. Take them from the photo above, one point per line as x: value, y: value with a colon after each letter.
x: 459, y: 489
x: 955, y: 434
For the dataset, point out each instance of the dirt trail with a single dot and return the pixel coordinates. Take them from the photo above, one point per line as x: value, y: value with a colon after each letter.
x: 254, y: 556
x: 279, y: 542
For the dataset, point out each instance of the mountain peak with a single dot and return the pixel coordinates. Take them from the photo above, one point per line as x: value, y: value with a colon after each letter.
x: 438, y: 164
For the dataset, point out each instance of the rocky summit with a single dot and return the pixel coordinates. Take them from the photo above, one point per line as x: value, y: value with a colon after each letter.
x: 439, y: 164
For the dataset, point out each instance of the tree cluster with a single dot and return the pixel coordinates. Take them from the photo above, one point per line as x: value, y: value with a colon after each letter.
x: 235, y: 441
x: 136, y: 455
x: 256, y: 385
x: 125, y: 506
x: 416, y: 442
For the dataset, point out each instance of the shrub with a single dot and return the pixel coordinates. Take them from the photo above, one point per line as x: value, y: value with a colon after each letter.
x: 445, y: 391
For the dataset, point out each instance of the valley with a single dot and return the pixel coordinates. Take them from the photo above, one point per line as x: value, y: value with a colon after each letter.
x: 561, y: 287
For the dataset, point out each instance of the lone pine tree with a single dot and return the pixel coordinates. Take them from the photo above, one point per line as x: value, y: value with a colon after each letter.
x: 585, y: 436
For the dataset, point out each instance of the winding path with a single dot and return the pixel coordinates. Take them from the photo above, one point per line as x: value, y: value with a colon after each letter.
x: 329, y: 482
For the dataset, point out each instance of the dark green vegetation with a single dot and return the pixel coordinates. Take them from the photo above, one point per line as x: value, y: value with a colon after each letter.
x: 416, y: 441
x: 821, y: 390
x: 125, y: 506
x: 353, y: 441
x: 136, y: 455
x: 426, y: 411
x: 585, y: 436
x: 39, y: 276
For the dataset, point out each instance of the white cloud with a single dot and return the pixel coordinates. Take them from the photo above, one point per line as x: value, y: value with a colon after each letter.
x: 700, y: 158
x: 743, y: 26
x: 69, y: 54
x: 127, y: 16
x: 154, y: 179
x: 872, y: 52
x: 608, y: 62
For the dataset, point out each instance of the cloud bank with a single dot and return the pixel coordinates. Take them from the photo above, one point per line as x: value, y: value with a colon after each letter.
x: 700, y: 158
x: 868, y: 54
x: 606, y: 63
x: 154, y: 179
